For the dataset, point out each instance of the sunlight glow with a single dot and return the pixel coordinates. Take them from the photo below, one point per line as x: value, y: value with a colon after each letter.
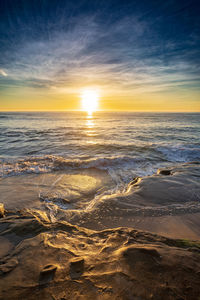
x: 90, y: 99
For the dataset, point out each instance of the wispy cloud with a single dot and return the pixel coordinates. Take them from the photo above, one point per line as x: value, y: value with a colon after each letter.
x: 127, y: 52
x: 89, y: 55
x: 3, y: 73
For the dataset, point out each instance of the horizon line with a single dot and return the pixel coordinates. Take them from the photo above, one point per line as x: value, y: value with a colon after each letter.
x: 97, y: 111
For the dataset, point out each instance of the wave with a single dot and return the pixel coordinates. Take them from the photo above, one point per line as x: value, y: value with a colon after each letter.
x: 142, y: 164
x: 52, y: 163
x: 180, y: 153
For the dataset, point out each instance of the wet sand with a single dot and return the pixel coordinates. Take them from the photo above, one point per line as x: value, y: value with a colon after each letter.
x: 142, y: 243
x: 163, y: 204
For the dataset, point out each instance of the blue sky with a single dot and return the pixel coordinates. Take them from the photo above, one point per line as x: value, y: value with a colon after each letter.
x: 133, y: 51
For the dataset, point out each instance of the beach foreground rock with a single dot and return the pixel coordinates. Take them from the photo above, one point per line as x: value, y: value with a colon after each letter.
x: 63, y: 261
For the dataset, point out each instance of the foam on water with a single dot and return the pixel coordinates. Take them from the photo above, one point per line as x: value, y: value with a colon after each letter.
x: 123, y: 144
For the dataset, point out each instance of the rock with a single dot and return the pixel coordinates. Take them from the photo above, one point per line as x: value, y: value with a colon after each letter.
x: 2, y: 210
x: 8, y: 266
x: 47, y: 274
x: 129, y: 252
x: 76, y: 267
x: 194, y: 249
x: 5, y: 247
x: 164, y: 172
x: 135, y: 180
x: 147, y: 257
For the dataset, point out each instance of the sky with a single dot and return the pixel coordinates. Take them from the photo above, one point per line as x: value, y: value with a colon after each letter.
x: 140, y: 55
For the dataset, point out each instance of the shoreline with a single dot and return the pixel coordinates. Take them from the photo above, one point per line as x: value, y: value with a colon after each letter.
x: 107, y: 251
x: 167, y: 202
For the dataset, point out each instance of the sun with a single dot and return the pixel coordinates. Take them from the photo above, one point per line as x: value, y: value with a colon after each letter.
x: 89, y: 100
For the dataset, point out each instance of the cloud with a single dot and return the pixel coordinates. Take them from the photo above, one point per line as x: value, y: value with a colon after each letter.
x: 127, y: 55
x: 3, y: 73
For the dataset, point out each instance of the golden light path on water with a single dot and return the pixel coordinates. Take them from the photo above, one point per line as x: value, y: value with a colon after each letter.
x: 90, y: 127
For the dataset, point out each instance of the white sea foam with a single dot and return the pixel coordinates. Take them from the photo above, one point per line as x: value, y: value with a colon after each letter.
x: 123, y: 144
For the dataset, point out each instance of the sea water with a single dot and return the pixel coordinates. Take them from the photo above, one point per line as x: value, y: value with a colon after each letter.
x: 121, y: 143
x: 74, y: 157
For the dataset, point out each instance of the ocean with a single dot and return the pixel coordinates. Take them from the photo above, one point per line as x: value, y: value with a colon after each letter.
x: 123, y: 144
x: 70, y: 161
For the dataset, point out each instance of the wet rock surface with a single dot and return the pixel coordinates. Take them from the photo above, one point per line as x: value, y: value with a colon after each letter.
x: 47, y: 274
x: 8, y: 266
x: 166, y: 204
x: 120, y: 263
x: 164, y: 172
x: 76, y: 267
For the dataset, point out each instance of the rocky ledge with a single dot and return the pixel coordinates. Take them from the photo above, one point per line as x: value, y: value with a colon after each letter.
x: 44, y: 260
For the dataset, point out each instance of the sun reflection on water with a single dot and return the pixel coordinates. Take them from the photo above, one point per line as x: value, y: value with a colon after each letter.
x: 90, y: 131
